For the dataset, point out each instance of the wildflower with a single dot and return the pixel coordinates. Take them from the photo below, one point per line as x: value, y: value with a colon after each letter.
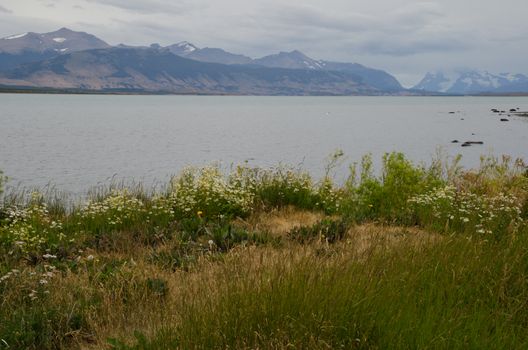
x: 90, y: 257
x: 43, y: 281
x: 200, y: 213
x: 49, y: 256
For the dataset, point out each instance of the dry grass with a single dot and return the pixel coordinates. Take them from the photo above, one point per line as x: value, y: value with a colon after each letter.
x: 369, y: 236
x: 279, y: 222
x: 118, y: 319
x: 108, y: 286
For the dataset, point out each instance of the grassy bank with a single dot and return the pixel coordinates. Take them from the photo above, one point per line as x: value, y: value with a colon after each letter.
x: 413, y: 257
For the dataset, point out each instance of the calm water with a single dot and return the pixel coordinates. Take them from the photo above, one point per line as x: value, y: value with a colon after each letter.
x: 76, y: 142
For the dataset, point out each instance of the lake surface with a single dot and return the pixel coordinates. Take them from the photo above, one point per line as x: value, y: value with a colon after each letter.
x: 78, y: 141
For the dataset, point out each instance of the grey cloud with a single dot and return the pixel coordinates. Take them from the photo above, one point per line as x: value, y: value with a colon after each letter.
x: 309, y: 16
x: 151, y: 7
x: 406, y: 37
x: 404, y: 20
x: 413, y: 47
x: 5, y: 10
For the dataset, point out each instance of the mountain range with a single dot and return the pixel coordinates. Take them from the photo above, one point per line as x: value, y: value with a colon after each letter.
x: 473, y: 82
x: 66, y: 59
x: 34, y: 47
x: 377, y: 79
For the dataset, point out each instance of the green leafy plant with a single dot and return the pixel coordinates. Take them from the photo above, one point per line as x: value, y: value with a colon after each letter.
x: 328, y: 230
x: 385, y: 197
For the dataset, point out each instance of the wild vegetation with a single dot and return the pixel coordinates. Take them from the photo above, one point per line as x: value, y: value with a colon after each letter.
x: 413, y: 257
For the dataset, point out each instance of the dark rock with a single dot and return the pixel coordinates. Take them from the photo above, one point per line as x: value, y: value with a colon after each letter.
x: 474, y: 142
x: 451, y: 112
x: 513, y: 110
x: 454, y: 141
x: 465, y: 144
x: 504, y: 120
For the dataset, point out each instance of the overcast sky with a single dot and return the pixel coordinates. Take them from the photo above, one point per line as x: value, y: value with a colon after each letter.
x: 405, y: 37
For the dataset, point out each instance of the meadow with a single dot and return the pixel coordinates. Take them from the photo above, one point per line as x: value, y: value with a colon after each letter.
x: 414, y: 256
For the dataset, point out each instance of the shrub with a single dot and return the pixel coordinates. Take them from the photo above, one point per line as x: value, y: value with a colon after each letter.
x: 328, y: 230
x: 224, y: 236
x: 182, y: 255
x: 288, y: 187
x: 31, y: 229
x: 448, y: 210
x: 208, y: 193
x: 385, y: 197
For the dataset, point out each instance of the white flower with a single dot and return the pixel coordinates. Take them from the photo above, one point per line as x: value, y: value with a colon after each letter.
x: 49, y: 256
x: 90, y: 257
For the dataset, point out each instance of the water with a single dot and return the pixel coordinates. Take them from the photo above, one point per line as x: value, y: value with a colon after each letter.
x: 77, y: 141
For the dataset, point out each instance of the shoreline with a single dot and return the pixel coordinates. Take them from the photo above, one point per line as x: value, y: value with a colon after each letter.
x: 68, y: 91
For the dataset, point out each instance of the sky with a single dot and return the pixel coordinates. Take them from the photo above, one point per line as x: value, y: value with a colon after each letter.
x: 407, y: 38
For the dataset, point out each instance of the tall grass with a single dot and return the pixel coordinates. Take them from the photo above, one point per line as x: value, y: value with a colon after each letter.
x: 189, y: 253
x: 455, y: 294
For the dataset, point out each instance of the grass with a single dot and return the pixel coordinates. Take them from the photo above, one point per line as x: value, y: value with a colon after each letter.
x: 415, y: 257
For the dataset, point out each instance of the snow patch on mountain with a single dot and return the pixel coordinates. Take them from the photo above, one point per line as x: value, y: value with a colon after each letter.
x: 59, y: 40
x: 472, y: 81
x: 16, y: 36
x: 186, y: 46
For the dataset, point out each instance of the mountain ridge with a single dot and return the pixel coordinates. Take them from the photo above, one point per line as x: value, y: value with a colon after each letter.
x: 158, y: 70
x: 29, y: 57
x: 473, y: 82
x: 51, y: 60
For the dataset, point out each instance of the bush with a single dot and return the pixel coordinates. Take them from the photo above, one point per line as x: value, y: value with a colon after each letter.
x: 207, y: 192
x: 288, y: 187
x: 328, y: 230
x: 448, y: 210
x: 32, y: 230
x: 385, y: 197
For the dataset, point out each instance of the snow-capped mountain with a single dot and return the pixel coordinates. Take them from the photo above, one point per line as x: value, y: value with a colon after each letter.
x: 207, y: 54
x: 182, y: 48
x: 62, y: 40
x: 473, y: 82
x: 294, y: 59
x: 33, y: 47
x: 44, y: 52
x: 289, y: 60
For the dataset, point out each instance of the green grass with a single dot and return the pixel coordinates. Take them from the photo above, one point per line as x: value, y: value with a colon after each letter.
x: 457, y: 294
x: 188, y: 267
